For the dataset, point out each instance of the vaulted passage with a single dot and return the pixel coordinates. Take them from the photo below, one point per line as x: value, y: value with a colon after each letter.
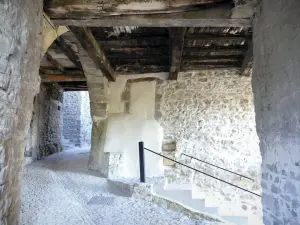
x: 165, y: 112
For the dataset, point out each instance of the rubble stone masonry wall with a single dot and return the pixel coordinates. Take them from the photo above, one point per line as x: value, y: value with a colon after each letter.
x: 210, y: 115
x: 20, y: 47
x: 43, y: 137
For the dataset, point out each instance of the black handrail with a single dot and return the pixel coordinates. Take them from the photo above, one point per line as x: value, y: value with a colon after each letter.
x: 142, y: 168
x: 192, y: 157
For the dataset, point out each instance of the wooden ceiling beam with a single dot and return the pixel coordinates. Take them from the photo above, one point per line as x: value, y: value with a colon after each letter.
x: 139, y: 69
x: 150, y: 21
x: 216, y: 37
x: 94, y: 50
x: 54, y: 62
x: 219, y: 49
x: 67, y: 50
x: 212, y: 58
x: 69, y: 71
x: 61, y: 78
x: 216, y: 15
x: 176, y: 43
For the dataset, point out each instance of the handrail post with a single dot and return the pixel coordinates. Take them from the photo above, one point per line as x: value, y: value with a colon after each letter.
x: 142, y: 162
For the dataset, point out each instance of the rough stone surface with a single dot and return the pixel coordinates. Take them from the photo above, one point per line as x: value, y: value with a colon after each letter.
x: 210, y: 115
x: 71, y: 117
x: 98, y: 91
x: 43, y: 137
x: 65, y: 184
x: 275, y: 84
x: 50, y: 126
x: 77, y: 123
x: 113, y: 167
x: 86, y: 121
x: 20, y: 40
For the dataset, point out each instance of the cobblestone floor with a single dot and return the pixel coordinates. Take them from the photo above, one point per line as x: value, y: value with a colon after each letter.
x: 58, y: 191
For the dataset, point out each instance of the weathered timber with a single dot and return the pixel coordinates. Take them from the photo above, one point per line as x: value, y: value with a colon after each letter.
x: 208, y: 58
x: 62, y: 78
x: 136, y: 52
x: 153, y: 41
x: 133, y: 57
x: 94, y: 8
x: 75, y: 86
x: 140, y: 69
x: 208, y: 65
x: 169, y: 21
x: 48, y: 71
x: 220, y: 49
x: 60, y: 42
x: 94, y: 50
x: 54, y: 62
x: 216, y: 16
x: 109, y: 33
x: 216, y: 37
x: 176, y: 43
x: 248, y: 60
x: 143, y: 62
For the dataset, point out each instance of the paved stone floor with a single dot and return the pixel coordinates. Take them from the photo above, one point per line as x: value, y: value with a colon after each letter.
x: 58, y: 191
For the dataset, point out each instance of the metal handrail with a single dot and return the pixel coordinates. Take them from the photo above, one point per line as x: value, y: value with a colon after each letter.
x: 142, y: 168
x: 192, y: 157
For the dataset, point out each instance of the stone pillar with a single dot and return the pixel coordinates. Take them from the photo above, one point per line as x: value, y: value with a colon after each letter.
x: 98, y: 88
x: 276, y: 82
x: 20, y: 46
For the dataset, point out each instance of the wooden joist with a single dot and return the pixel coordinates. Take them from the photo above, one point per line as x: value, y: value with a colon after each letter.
x: 176, y: 43
x: 217, y: 49
x: 216, y: 37
x: 94, y: 50
x: 189, y: 66
x: 139, y: 69
x: 62, y: 78
x: 48, y: 71
x: 60, y: 42
x: 216, y: 58
x: 54, y: 62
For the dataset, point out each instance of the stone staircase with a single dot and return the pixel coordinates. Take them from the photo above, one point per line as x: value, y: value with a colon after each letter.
x: 191, y: 197
x: 149, y: 192
x: 187, y: 199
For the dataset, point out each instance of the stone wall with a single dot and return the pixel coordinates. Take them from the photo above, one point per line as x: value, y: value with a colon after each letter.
x: 71, y: 118
x: 210, y: 115
x: 20, y: 46
x: 77, y: 123
x: 86, y: 121
x: 45, y: 129
x: 276, y: 84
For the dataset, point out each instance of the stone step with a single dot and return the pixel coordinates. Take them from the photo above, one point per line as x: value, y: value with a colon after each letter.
x: 210, y: 204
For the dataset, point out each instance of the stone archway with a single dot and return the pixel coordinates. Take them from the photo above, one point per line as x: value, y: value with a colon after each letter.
x: 50, y: 33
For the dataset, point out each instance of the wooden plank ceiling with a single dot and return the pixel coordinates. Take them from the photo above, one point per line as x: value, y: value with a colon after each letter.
x: 122, y: 50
